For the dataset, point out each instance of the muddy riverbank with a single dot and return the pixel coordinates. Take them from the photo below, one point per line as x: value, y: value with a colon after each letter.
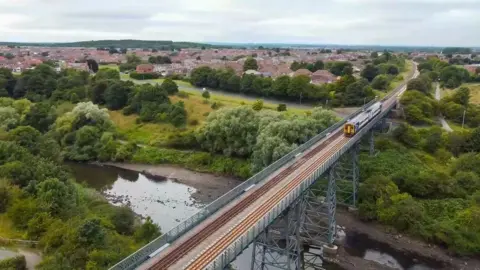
x: 406, y: 249
x: 208, y: 187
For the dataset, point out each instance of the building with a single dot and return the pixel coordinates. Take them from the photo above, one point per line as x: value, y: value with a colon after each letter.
x: 145, y: 68
x: 302, y: 71
x: 322, y: 76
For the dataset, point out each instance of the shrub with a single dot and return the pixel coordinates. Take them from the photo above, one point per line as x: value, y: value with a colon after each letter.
x: 144, y: 76
x: 282, y: 107
x: 15, y: 263
x: 193, y: 122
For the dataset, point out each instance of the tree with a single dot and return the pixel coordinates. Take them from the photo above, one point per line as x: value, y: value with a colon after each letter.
x: 147, y: 231
x: 281, y: 85
x: 92, y: 65
x: 206, y: 94
x: 40, y: 116
x: 433, y: 140
x: 419, y: 84
x: 407, y: 135
x: 282, y: 107
x: 298, y: 86
x: 26, y: 136
x: 318, y: 65
x: 199, y: 76
x: 117, y: 94
x: 250, y: 63
x: 170, y: 86
x: 381, y: 82
x: 372, y: 190
x: 257, y: 105
x: 369, y: 72
x: 462, y: 96
x: 91, y: 234
x: 5, y: 196
x: 9, y: 118
x: 222, y: 129
x: 374, y: 55
x: 107, y: 74
x: 123, y: 219
x: 57, y: 197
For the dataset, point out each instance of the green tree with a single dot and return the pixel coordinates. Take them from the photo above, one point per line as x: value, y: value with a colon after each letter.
x: 419, y: 84
x: 381, y: 82
x: 250, y: 63
x: 371, y: 191
x: 27, y: 137
x: 369, y: 72
x: 40, y: 116
x: 407, y: 135
x: 170, y: 86
x: 116, y: 95
x: 462, y: 96
x: 57, y: 197
x: 280, y: 86
x: 147, y: 231
x: 222, y: 129
x: 206, y: 94
x: 123, y: 219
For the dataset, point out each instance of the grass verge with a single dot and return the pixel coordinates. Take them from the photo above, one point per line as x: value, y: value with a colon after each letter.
x: 195, y: 160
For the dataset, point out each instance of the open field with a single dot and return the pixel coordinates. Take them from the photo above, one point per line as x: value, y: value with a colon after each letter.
x: 396, y: 82
x: 112, y: 66
x: 474, y: 93
x: 197, y: 112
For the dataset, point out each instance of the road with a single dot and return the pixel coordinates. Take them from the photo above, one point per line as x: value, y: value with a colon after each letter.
x: 440, y: 117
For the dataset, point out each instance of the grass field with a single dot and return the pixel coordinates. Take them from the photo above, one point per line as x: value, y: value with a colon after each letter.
x: 474, y: 92
x: 396, y: 82
x: 112, y: 66
x: 197, y: 112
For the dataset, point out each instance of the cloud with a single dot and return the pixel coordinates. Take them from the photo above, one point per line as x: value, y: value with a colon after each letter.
x: 387, y: 22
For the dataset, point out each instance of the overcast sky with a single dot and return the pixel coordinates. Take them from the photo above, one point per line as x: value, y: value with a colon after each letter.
x: 383, y: 22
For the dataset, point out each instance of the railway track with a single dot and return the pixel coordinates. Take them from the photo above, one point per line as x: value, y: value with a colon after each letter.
x: 176, y: 253
x: 212, y: 252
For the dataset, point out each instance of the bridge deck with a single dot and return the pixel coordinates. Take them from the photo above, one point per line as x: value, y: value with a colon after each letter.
x: 322, y: 149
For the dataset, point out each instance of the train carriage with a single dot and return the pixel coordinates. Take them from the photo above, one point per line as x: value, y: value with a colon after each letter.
x: 355, y: 124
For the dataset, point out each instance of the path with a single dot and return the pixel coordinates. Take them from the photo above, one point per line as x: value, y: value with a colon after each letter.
x: 442, y: 119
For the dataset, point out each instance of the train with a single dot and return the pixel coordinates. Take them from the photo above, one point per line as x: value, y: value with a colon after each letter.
x: 355, y: 124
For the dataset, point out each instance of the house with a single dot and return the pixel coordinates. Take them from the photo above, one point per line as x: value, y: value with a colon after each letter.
x: 145, y: 68
x: 252, y: 72
x: 322, y: 76
x: 301, y: 71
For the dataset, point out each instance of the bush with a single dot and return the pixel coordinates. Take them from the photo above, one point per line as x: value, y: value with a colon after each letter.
x: 15, y: 263
x: 193, y: 122
x: 144, y: 76
x: 282, y: 107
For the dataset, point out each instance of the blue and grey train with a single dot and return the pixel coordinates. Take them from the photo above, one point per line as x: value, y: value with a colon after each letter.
x: 355, y: 124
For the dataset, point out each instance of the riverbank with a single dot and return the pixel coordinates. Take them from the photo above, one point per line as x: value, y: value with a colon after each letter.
x: 400, y: 243
x: 208, y: 187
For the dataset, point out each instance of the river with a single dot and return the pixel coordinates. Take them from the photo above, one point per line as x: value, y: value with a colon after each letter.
x: 168, y: 201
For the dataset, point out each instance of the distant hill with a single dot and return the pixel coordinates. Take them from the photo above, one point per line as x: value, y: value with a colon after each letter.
x: 123, y: 43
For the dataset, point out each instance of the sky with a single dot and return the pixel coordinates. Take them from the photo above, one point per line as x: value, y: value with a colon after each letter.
x: 351, y: 22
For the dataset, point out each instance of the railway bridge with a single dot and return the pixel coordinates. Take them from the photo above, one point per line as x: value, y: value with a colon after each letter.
x: 284, y: 209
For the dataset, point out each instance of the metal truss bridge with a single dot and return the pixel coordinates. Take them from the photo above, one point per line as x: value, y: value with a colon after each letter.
x: 283, y: 210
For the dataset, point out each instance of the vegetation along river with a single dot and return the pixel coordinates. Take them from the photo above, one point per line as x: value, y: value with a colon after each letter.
x: 170, y: 194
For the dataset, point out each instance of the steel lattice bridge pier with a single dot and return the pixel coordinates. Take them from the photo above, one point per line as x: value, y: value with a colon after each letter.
x: 288, y: 205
